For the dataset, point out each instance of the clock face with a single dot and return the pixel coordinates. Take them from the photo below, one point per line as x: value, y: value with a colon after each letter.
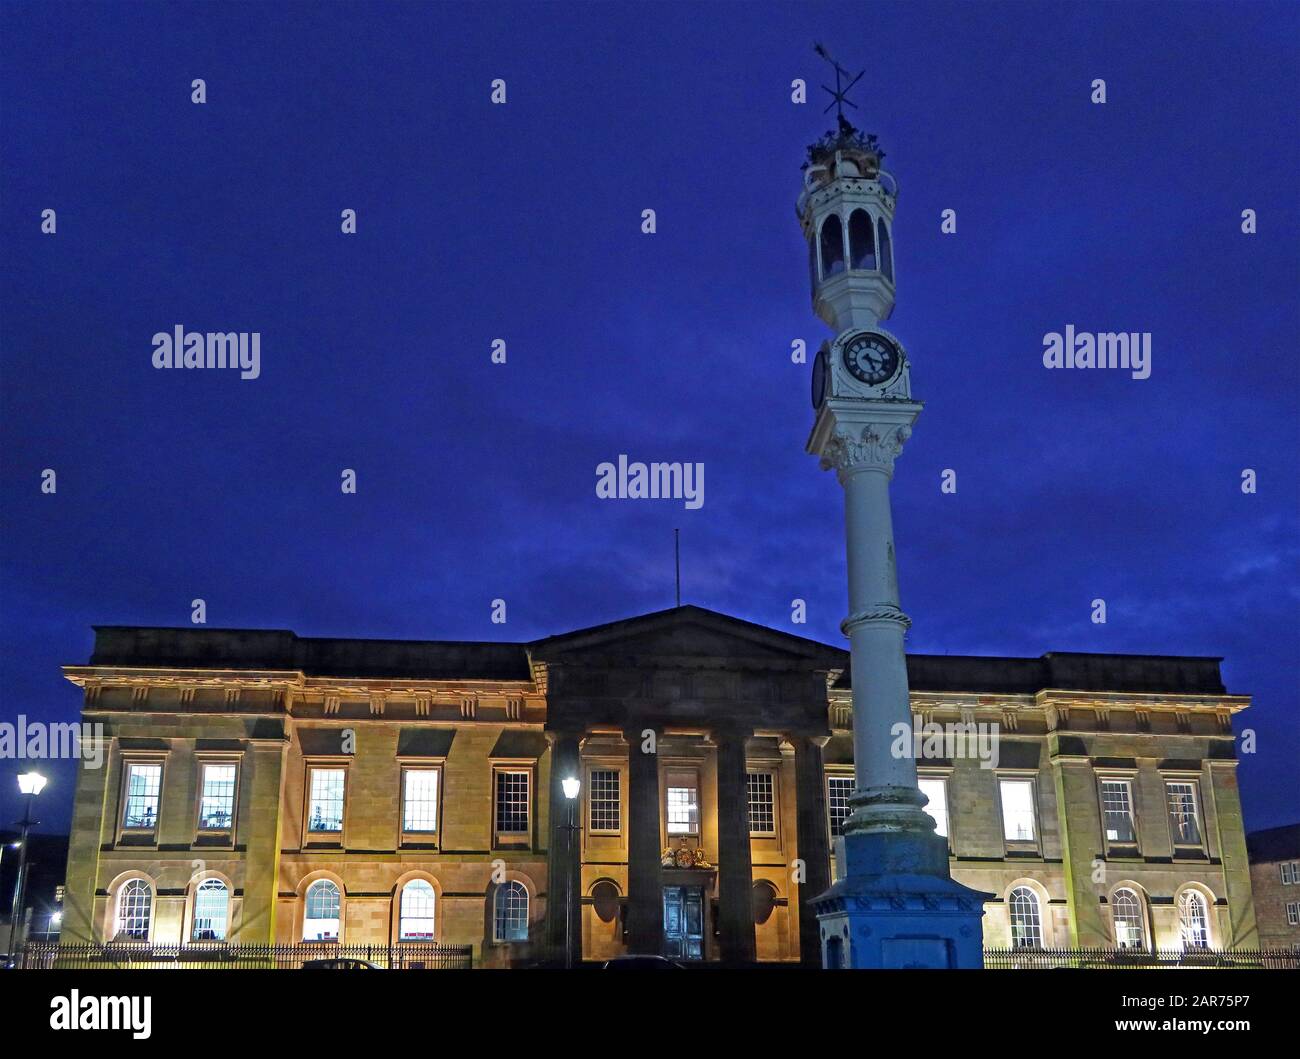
x: 819, y: 379
x: 871, y: 358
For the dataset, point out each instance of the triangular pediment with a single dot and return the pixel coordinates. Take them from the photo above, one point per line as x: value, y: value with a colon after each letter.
x: 687, y: 633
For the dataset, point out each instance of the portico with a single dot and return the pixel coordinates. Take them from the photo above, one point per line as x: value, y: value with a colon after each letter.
x: 710, y: 732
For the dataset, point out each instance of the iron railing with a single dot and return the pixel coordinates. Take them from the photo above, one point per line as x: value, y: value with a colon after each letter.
x: 1139, y: 959
x: 220, y: 957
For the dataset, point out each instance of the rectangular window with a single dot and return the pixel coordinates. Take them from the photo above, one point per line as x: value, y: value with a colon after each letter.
x: 325, y: 803
x: 683, y: 804
x: 1182, y: 814
x: 1293, y: 913
x: 1117, y: 810
x: 143, y: 792
x: 603, y: 804
x: 217, y: 800
x: 838, y: 789
x: 936, y: 789
x: 420, y: 800
x: 762, y: 802
x: 512, y: 803
x: 1018, y: 810
x: 1289, y: 875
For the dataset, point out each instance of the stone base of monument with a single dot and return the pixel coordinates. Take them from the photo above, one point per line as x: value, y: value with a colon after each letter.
x: 896, y: 906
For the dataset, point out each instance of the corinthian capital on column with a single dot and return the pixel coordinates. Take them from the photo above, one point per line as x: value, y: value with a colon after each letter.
x: 852, y: 436
x: 873, y: 447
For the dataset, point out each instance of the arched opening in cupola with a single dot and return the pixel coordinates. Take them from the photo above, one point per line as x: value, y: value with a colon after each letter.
x: 832, y: 242
x: 862, y: 244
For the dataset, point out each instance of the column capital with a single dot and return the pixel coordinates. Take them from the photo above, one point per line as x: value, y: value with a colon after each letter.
x: 817, y: 739
x: 852, y: 436
x: 875, y: 447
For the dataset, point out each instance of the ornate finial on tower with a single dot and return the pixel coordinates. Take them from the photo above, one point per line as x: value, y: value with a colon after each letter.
x: 846, y: 137
x: 839, y: 94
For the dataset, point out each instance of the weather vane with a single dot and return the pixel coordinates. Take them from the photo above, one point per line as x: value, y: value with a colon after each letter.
x: 839, y: 94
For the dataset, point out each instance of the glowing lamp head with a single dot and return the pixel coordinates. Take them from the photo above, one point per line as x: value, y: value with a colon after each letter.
x: 31, y: 782
x: 571, y: 787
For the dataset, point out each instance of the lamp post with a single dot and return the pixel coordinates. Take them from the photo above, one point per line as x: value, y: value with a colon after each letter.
x: 30, y: 784
x: 571, y: 787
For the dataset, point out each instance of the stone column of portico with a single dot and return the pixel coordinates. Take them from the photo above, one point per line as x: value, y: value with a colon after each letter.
x: 735, y: 867
x: 812, y: 837
x: 645, y: 888
x: 564, y: 863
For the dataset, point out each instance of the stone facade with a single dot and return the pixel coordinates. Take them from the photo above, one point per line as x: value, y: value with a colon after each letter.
x: 747, y: 726
x: 1275, y: 883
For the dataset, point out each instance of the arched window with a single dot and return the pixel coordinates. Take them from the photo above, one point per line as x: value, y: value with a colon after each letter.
x: 886, y: 251
x: 862, y: 246
x: 510, y: 912
x: 415, y: 921
x: 1026, y: 924
x: 134, y: 910
x: 321, y: 919
x: 1127, y: 910
x: 1193, y: 922
x: 211, y: 911
x: 832, y: 246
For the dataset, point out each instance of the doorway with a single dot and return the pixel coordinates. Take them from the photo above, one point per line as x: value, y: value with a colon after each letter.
x: 684, y: 922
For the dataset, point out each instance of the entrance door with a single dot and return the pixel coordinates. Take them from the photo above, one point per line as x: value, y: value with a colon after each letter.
x: 684, y: 922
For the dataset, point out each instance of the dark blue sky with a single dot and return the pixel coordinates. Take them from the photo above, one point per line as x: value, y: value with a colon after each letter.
x: 522, y: 222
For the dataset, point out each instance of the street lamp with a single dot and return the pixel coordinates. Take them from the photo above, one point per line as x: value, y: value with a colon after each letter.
x: 572, y: 786
x: 30, y: 784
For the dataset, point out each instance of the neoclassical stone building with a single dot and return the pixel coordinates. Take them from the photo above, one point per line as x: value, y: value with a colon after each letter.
x: 262, y: 787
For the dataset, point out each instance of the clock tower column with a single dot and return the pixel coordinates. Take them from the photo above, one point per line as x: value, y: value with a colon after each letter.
x: 896, y: 904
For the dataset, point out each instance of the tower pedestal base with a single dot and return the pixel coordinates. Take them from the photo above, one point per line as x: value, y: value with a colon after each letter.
x: 897, y: 906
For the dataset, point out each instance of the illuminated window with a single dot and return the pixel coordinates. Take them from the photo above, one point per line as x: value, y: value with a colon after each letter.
x: 420, y: 800
x: 838, y: 789
x: 886, y: 251
x: 325, y: 807
x: 603, y: 806
x: 143, y: 790
x: 321, y: 918
x: 832, y: 243
x: 211, y: 911
x: 683, y: 801
x: 217, y: 800
x: 761, y: 788
x: 415, y: 918
x: 1018, y: 810
x: 134, y: 910
x: 1026, y: 923
x: 512, y: 802
x: 936, y: 789
x: 1193, y: 921
x: 862, y: 244
x: 1127, y: 911
x: 1182, y: 814
x: 1117, y: 808
x: 510, y: 912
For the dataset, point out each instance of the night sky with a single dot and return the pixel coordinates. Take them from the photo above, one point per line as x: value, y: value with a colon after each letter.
x: 523, y: 222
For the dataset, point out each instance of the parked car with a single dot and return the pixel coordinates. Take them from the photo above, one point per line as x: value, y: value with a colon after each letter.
x: 340, y: 963
x: 642, y: 963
